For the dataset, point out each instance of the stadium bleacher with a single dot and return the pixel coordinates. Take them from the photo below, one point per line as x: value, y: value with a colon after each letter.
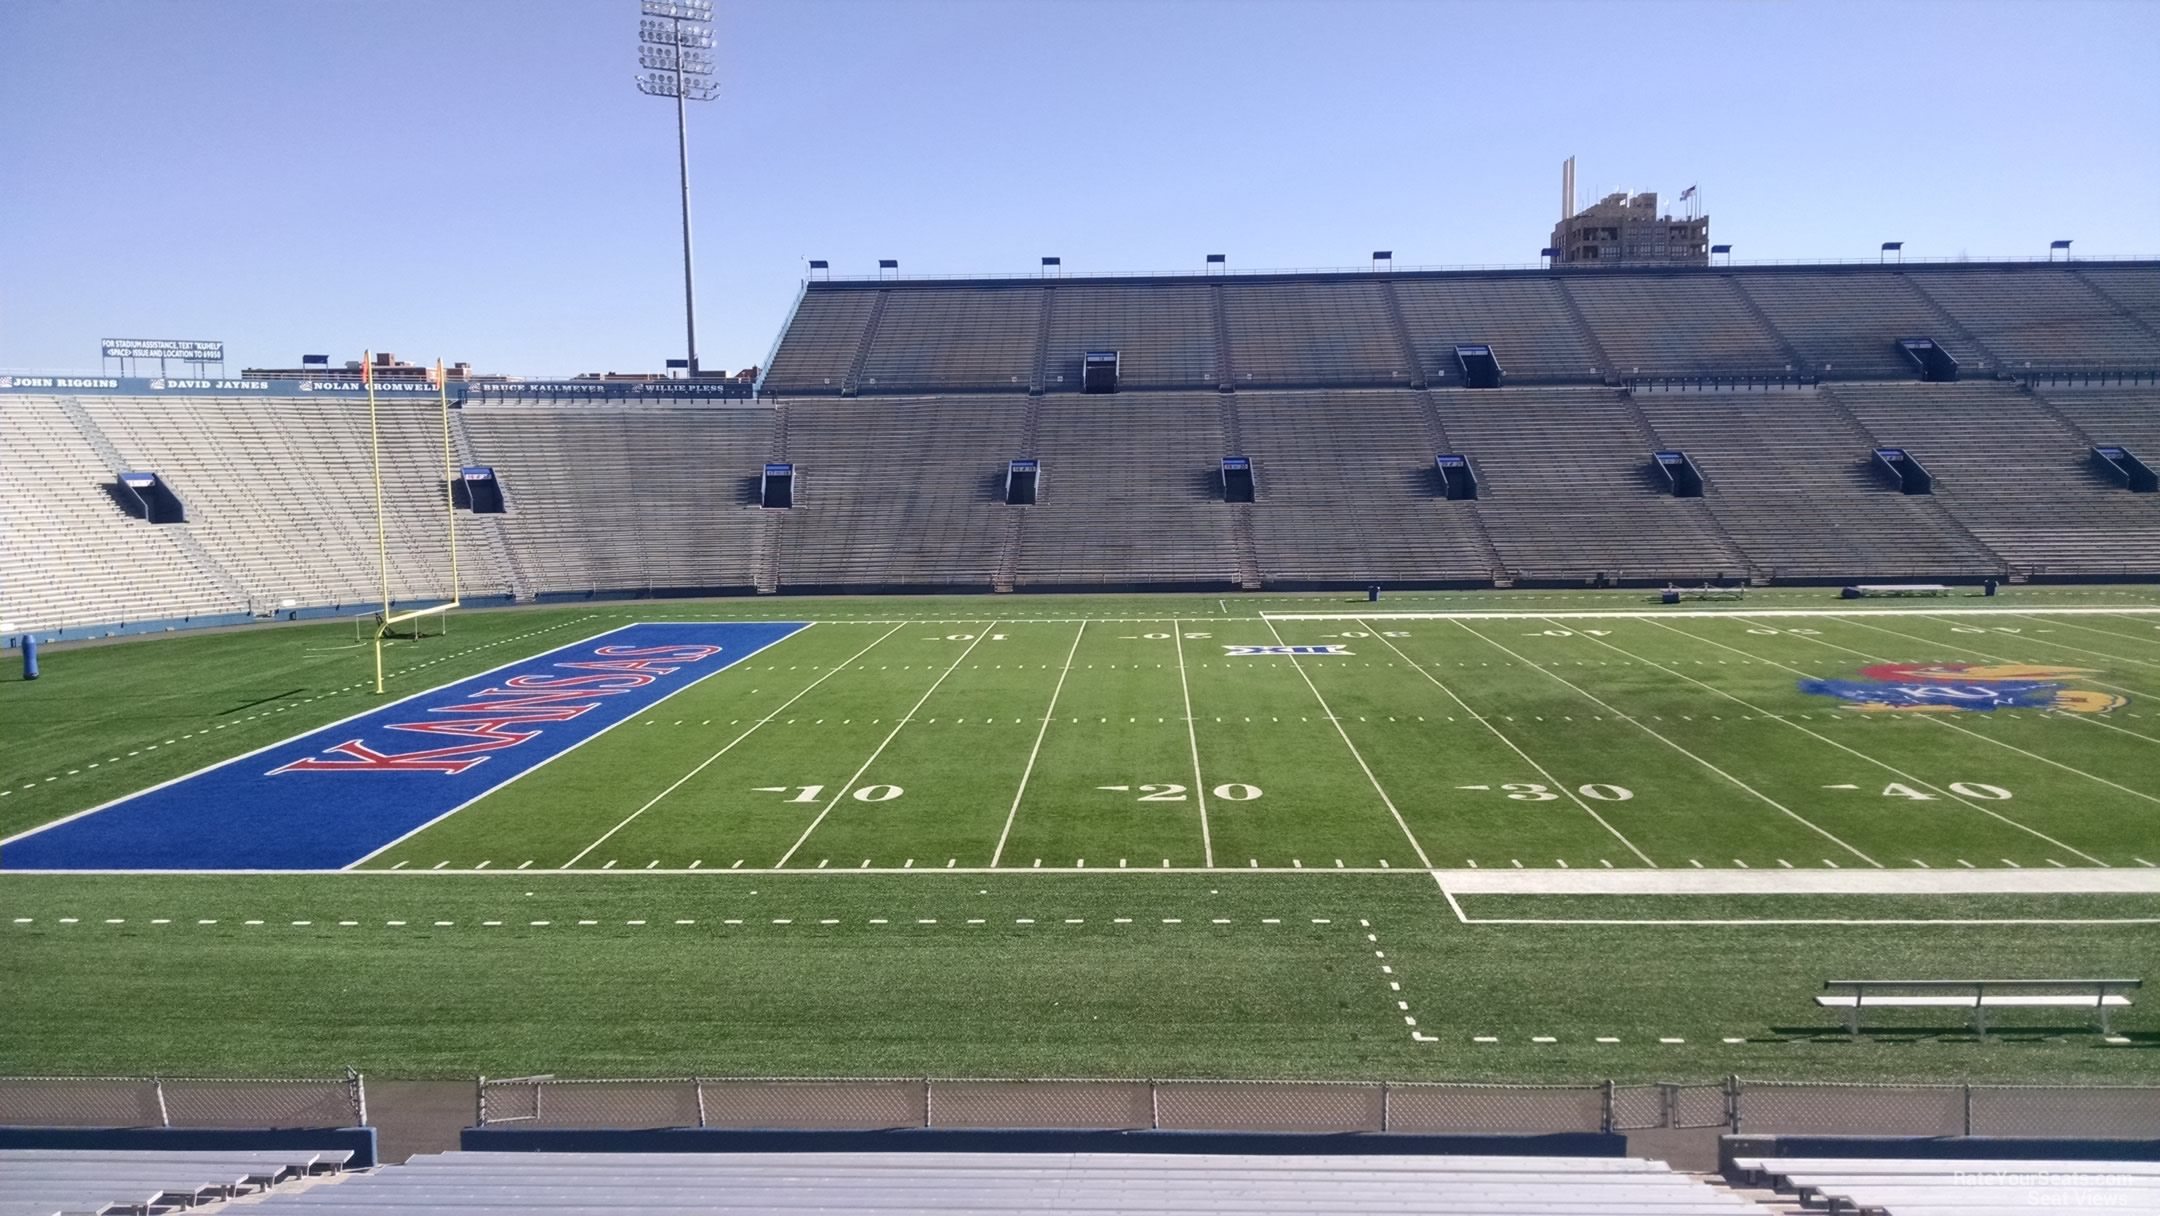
x: 1686, y: 325
x: 2018, y: 480
x: 1950, y: 1187
x: 902, y: 400
x: 45, y: 1182
x: 900, y: 493
x: 73, y: 556
x: 625, y: 498
x: 927, y: 1182
x: 1791, y: 482
x: 1566, y: 490
x: 2045, y: 317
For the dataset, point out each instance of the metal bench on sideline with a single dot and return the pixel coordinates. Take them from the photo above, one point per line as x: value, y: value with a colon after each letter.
x: 1979, y: 996
x: 1858, y: 591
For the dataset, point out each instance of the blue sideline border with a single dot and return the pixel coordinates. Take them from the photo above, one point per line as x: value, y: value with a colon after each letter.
x: 1028, y: 1140
x: 337, y: 795
x: 360, y: 1140
x: 1935, y: 1148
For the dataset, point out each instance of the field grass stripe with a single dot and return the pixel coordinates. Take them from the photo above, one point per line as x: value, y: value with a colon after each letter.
x: 2098, y: 654
x: 1400, y: 822
x: 707, y: 762
x: 2110, y: 633
x: 1646, y: 729
x: 1497, y: 733
x: 889, y: 737
x: 1035, y: 751
x: 1884, y: 765
x: 1192, y: 738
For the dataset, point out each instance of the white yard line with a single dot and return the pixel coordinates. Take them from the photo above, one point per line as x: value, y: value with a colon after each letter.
x: 895, y: 732
x: 1400, y: 822
x: 1486, y: 722
x: 707, y: 762
x: 1943, y: 881
x: 1646, y: 729
x: 1192, y: 737
x: 1814, y: 884
x: 1881, y: 764
x: 1035, y: 751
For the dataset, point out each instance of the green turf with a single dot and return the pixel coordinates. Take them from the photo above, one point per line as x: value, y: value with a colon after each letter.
x: 910, y: 735
x: 1047, y: 998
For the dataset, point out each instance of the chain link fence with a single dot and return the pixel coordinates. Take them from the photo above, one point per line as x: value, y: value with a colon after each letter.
x: 183, y: 1102
x: 1176, y: 1105
x: 1733, y: 1104
x: 1819, y: 1108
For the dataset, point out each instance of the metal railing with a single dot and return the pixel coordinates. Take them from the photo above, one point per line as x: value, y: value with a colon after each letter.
x: 1384, y: 271
x: 257, y: 1102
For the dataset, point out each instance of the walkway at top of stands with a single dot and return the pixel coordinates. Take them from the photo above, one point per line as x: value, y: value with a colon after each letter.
x: 1493, y: 270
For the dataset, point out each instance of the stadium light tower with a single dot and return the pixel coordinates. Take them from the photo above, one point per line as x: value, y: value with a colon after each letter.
x: 675, y: 41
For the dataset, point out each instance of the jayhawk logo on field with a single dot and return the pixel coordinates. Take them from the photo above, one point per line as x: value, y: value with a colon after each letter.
x: 1935, y: 688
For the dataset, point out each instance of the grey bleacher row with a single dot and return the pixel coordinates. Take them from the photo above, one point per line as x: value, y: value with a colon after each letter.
x: 901, y: 492
x: 900, y: 1184
x: 1939, y: 1187
x: 1386, y: 330
x: 41, y: 1182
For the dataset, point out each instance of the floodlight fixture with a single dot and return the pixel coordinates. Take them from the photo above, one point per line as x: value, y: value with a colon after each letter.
x: 2055, y: 245
x: 1724, y: 249
x: 675, y: 42
x: 1890, y: 247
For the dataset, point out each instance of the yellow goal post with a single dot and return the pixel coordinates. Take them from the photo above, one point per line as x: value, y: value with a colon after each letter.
x: 387, y: 621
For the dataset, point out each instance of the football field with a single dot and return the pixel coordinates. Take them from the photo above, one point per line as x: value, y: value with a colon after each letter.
x: 1346, y: 739
x: 1523, y: 835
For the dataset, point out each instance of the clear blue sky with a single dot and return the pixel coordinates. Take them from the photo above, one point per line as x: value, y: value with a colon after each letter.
x: 479, y: 180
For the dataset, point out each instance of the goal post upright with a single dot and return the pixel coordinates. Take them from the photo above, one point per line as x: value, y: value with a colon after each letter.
x: 382, y: 538
x: 386, y: 620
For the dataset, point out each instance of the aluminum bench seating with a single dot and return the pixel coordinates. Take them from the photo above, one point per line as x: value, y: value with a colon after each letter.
x: 1129, y: 492
x: 1346, y: 490
x: 1768, y: 1171
x: 2099, y: 995
x: 821, y: 341
x: 1847, y: 325
x: 932, y: 340
x: 1565, y: 491
x: 2017, y: 479
x: 1164, y: 336
x: 2042, y: 319
x: 903, y: 1184
x: 898, y: 491
x: 1679, y: 325
x: 1525, y: 321
x: 1305, y: 334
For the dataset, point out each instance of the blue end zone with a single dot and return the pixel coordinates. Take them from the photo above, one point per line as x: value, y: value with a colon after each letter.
x: 333, y: 796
